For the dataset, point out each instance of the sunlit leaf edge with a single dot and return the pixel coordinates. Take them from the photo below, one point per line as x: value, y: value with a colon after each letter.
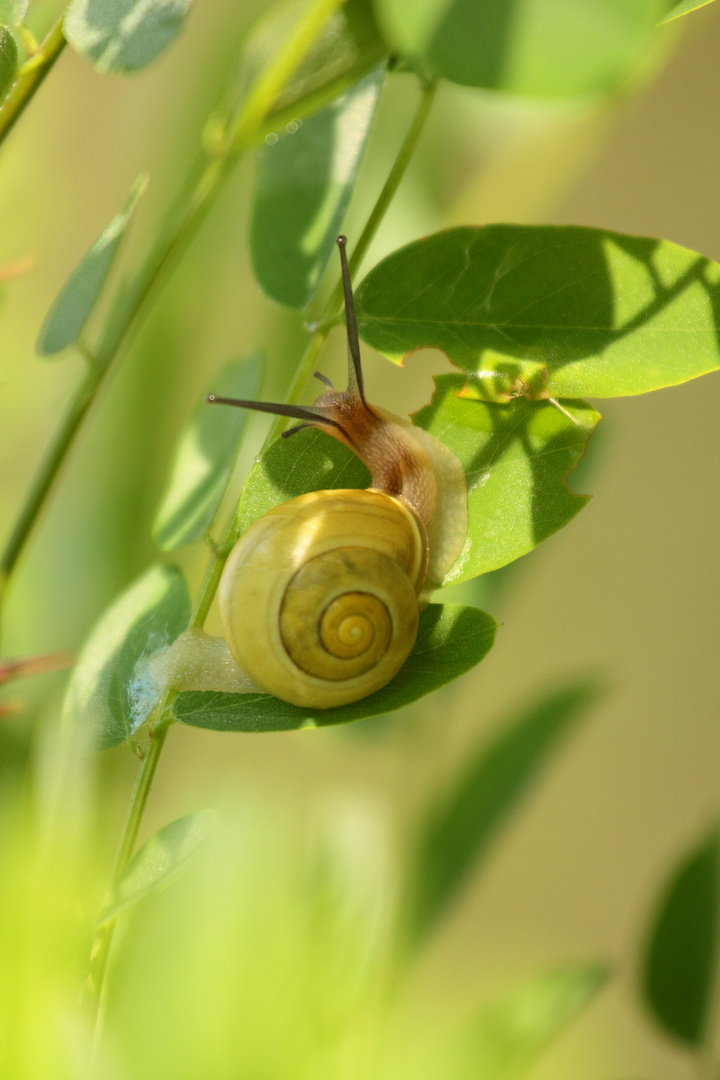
x: 684, y: 7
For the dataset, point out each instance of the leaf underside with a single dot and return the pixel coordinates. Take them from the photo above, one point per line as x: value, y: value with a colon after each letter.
x: 111, y: 693
x: 122, y: 36
x: 451, y: 640
x: 568, y: 48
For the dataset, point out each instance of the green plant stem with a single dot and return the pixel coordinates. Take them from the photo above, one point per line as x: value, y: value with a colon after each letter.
x: 44, y: 479
x: 386, y: 196
x: 334, y: 303
x: 103, y: 940
x: 143, y: 782
x: 30, y: 78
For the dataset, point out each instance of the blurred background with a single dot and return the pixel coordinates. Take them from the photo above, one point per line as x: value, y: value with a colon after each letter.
x: 629, y: 592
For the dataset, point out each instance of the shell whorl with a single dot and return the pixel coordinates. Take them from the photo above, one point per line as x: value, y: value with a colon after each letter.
x: 319, y: 597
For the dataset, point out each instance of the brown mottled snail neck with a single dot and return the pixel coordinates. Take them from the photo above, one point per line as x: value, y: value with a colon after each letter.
x: 319, y: 599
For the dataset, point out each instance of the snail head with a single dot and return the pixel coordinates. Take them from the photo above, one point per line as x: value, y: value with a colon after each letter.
x: 345, y: 414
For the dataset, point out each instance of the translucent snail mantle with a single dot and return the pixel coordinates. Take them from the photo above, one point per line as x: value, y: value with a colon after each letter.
x: 319, y: 599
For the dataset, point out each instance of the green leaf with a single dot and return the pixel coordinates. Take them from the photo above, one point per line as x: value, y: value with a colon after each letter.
x: 684, y: 8
x: 74, y: 303
x: 111, y: 693
x: 12, y: 12
x: 548, y: 310
x: 682, y: 952
x: 158, y: 863
x: 304, y: 184
x: 459, y: 830
x: 451, y: 640
x: 560, y: 49
x: 516, y: 458
x: 205, y: 457
x: 309, y: 461
x: 346, y: 49
x: 506, y: 1040
x: 8, y: 58
x: 120, y: 36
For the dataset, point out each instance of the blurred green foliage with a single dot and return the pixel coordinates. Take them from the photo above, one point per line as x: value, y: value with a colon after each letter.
x: 275, y: 954
x: 279, y: 954
x: 681, y: 958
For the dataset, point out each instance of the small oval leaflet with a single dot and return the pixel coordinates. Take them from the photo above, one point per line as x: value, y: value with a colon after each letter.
x: 160, y: 861
x: 76, y: 301
x: 13, y: 12
x: 121, y: 36
x: 304, y: 184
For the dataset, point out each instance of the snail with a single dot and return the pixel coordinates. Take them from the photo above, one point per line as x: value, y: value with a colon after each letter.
x: 319, y: 598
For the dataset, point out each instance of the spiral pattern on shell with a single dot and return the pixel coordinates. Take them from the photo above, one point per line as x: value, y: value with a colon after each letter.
x: 319, y: 597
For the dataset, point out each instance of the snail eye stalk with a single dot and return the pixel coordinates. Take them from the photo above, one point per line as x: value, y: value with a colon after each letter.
x: 321, y: 415
x: 356, y: 383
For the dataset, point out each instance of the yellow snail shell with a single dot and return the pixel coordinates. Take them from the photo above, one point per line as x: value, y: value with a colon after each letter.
x: 335, y: 575
x: 319, y: 599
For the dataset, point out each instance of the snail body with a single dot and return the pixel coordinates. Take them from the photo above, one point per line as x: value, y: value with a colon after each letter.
x: 319, y: 599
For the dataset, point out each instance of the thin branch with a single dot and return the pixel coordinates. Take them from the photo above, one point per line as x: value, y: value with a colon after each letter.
x: 30, y: 78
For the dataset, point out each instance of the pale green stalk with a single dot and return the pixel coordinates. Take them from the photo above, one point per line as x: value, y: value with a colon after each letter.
x: 206, y: 595
x: 30, y: 78
x: 143, y: 782
x: 271, y: 84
